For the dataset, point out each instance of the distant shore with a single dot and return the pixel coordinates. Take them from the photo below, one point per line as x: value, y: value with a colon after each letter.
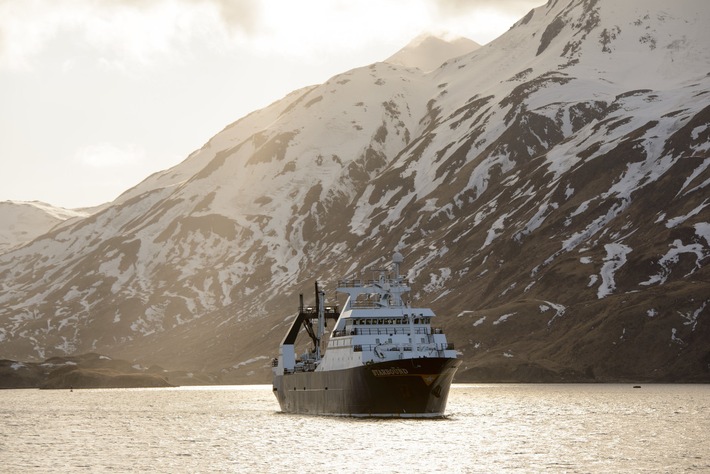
x: 89, y: 371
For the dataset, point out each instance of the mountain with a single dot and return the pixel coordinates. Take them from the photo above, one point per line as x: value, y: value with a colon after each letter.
x: 427, y: 52
x: 549, y: 192
x: 21, y: 222
x: 91, y: 371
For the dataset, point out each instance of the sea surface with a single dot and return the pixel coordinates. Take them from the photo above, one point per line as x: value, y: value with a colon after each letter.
x: 489, y: 428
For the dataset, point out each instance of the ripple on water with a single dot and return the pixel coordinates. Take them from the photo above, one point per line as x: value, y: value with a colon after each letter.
x: 489, y: 428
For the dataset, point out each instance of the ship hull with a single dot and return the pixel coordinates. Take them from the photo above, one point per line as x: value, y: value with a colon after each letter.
x: 417, y: 388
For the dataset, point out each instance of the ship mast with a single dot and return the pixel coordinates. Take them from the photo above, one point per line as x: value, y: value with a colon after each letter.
x: 320, y: 308
x: 397, y: 259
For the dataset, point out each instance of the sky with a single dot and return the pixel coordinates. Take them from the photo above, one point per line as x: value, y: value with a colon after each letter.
x: 96, y: 95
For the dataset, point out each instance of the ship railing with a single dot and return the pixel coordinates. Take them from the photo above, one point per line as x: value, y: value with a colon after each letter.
x: 364, y: 304
x: 274, y: 362
x: 358, y: 283
x: 371, y: 347
x: 374, y: 304
x: 378, y: 332
x: 403, y: 347
x: 311, y: 310
x: 386, y: 331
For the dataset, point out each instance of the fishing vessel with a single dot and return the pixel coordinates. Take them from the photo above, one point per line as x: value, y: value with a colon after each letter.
x: 382, y: 358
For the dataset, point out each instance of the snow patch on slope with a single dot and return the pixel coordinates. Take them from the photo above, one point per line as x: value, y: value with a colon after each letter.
x: 615, y: 259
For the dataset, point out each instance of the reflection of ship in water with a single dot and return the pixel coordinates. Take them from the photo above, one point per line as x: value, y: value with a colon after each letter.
x: 383, y: 357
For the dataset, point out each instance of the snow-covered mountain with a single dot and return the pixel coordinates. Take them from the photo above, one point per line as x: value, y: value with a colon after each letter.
x: 549, y: 191
x: 21, y: 222
x: 428, y: 52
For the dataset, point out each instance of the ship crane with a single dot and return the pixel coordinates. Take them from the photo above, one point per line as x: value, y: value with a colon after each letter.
x: 307, y: 315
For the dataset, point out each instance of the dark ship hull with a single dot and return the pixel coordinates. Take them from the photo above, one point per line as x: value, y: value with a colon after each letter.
x: 416, y: 388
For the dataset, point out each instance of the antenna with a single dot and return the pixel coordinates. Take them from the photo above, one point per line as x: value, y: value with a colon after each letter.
x: 397, y: 259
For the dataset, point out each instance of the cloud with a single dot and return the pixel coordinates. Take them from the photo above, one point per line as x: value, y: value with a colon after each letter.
x: 137, y: 32
x: 20, y: 35
x: 507, y: 7
x: 118, y: 30
x: 107, y: 155
x: 480, y: 20
x: 305, y: 29
x: 240, y: 14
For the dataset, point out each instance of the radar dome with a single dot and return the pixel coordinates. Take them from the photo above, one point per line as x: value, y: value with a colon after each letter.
x: 397, y: 258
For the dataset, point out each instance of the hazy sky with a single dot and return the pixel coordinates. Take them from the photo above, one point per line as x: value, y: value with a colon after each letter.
x: 95, y: 95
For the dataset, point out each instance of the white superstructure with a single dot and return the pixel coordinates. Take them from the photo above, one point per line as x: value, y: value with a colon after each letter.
x: 375, y: 325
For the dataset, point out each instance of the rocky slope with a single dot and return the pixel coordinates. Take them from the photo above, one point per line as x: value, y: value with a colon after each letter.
x: 549, y: 192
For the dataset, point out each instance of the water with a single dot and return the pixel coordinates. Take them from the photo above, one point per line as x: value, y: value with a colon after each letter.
x: 490, y: 428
